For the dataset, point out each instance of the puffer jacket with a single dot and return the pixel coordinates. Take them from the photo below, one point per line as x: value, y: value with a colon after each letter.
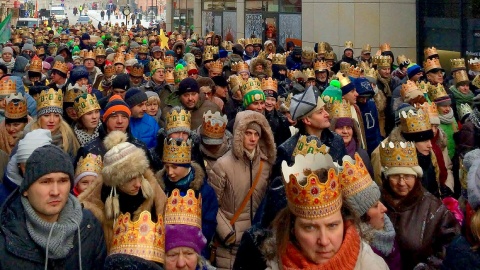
x: 145, y: 129
x: 19, y: 251
x: 231, y: 178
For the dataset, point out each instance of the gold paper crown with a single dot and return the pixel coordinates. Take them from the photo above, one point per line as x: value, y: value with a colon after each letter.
x: 464, y: 110
x: 291, y: 74
x: 429, y: 108
x: 408, y: 87
x: 354, y: 176
x: 50, y: 98
x: 344, y: 67
x: 61, y: 66
x: 424, y: 87
x: 177, y: 152
x: 85, y: 105
x: 354, y: 72
x: 182, y: 119
x: 228, y: 45
x: 247, y: 41
x: 216, y: 66
x: 72, y: 93
x: 364, y: 65
x: 143, y: 49
x: 100, y: 51
x: 241, y: 67
x: 109, y: 70
x: 458, y: 63
x: 366, y: 48
x: 129, y: 56
x: 89, y: 55
x: 375, y: 60
x: 141, y: 238
x: 212, y: 49
x: 402, y: 58
x: 385, y: 47
x: 38, y: 39
x: 36, y: 65
x: 270, y: 84
x: 344, y: 80
x: 430, y: 51
x: 330, y: 55
x: 474, y: 64
x: 169, y: 77
x: 339, y: 109
x: 476, y: 81
x: 16, y: 106
x: 383, y: 61
x: 137, y: 71
x: 348, y: 45
x: 7, y: 87
x: 436, y: 92
x: 398, y: 154
x: 169, y: 61
x: 184, y: 210
x: 41, y: 51
x: 214, y: 125
x: 207, y: 56
x: 309, y: 73
x: 256, y: 40
x: 460, y: 76
x: 303, y: 147
x: 180, y: 74
x: 119, y: 58
x: 321, y: 48
x: 413, y: 122
x: 430, y: 64
x: 313, y: 199
x: 320, y: 66
x: 124, y: 39
x: 250, y: 85
x: 156, y: 64
x: 235, y: 82
x: 90, y: 163
x: 191, y: 66
x: 309, y: 54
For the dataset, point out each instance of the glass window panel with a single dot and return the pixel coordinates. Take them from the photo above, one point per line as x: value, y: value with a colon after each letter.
x: 292, y: 6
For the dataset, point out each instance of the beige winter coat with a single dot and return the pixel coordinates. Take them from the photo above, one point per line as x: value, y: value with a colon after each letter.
x: 231, y: 178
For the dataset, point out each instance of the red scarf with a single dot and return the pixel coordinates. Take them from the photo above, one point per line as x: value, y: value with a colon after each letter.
x: 344, y: 259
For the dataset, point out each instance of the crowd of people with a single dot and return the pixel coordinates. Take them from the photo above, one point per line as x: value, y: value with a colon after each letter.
x: 145, y: 150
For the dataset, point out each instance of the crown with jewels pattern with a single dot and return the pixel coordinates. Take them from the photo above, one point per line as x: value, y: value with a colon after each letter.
x: 464, y: 110
x: 156, y: 64
x: 250, y: 85
x: 169, y: 77
x: 354, y: 176
x: 430, y: 64
x: 339, y: 109
x: 100, y: 51
x: 214, y: 125
x: 398, y: 154
x: 50, y: 98
x: 408, y: 87
x: 320, y: 66
x: 212, y: 49
x: 344, y: 67
x: 349, y: 45
x: 241, y: 67
x: 476, y: 81
x: 89, y: 55
x: 207, y: 56
x: 216, y: 66
x: 385, y: 47
x: 141, y: 238
x: 137, y: 71
x: 303, y: 147
x: 279, y: 59
x: 474, y: 64
x: 423, y: 86
x: 7, y: 87
x: 109, y: 70
x: 169, y: 61
x: 383, y: 61
x: 85, y: 105
x: 177, y: 152
x: 309, y: 54
x: 430, y: 51
x: 180, y: 74
x: 184, y: 210
x: 460, y: 76
x: 413, y: 122
x: 313, y: 199
x: 174, y: 119
x: 269, y: 84
x: 457, y: 63
x: 309, y: 73
x: 119, y: 58
x: 89, y: 163
x: 429, y: 108
x: 61, y: 66
x: 354, y: 72
x: 36, y: 64
x: 330, y: 55
x: 16, y: 106
x: 436, y: 92
x: 143, y: 49
x: 256, y: 40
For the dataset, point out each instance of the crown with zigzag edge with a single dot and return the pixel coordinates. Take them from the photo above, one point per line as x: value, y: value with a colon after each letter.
x: 430, y: 52
x: 279, y: 59
x: 398, y: 154
x: 270, y: 84
x: 100, y: 51
x: 214, y: 125
x: 216, y: 66
x: 89, y: 163
x: 156, y: 64
x: 354, y: 72
x: 60, y: 66
x: 251, y: 84
x: 305, y: 147
x: 354, y: 176
x: 458, y: 63
x: 36, y: 64
x: 16, y: 106
x: 89, y: 55
x: 344, y: 67
x: 309, y: 53
x: 464, y: 110
x: 460, y: 76
x: 137, y: 71
x: 383, y: 61
x: 169, y: 61
x: 184, y: 210
x: 7, y: 87
x: 320, y: 66
x: 85, y: 105
x: 474, y: 64
x: 429, y: 107
x: 413, y: 122
x: 309, y: 73
x: 430, y: 64
x: 339, y: 109
x: 330, y: 55
x: 50, y: 98
x: 177, y: 152
x: 385, y: 47
x: 175, y: 119
x: 349, y: 44
x: 408, y: 87
x: 322, y: 47
x: 436, y: 92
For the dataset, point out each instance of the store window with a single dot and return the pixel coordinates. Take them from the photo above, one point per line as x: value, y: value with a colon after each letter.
x: 219, y: 5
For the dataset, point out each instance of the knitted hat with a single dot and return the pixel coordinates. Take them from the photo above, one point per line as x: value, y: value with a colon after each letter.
x: 7, y: 50
x: 134, y: 45
x: 28, y: 46
x: 179, y: 235
x: 188, y: 85
x: 220, y: 81
x: 413, y: 69
x: 255, y: 127
x: 78, y: 73
x: 151, y: 94
x: 116, y: 105
x: 44, y: 160
x: 302, y: 104
x: 332, y: 92
x: 32, y: 140
x: 347, y: 88
x: 363, y: 86
x: 85, y: 36
x: 135, y: 96
x: 121, y: 81
x: 222, y: 54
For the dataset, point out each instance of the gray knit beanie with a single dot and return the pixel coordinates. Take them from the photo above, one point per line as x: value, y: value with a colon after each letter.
x: 32, y: 140
x: 44, y: 160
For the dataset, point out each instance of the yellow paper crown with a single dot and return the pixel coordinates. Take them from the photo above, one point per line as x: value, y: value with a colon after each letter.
x: 142, y: 238
x: 85, y: 105
x: 366, y: 48
x: 413, y: 122
x: 474, y: 64
x: 354, y: 176
x: 214, y: 125
x: 235, y: 82
x: 184, y: 210
x: 89, y: 55
x: 174, y: 119
x: 50, y: 98
x: 339, y: 109
x: 303, y: 147
x: 398, y: 154
x: 36, y: 65
x: 119, y: 58
x: 89, y: 163
x: 344, y: 67
x: 430, y: 64
x: 180, y: 74
x: 424, y: 86
x: 129, y: 56
x: 143, y: 49
x: 383, y: 61
x: 216, y: 66
x: 385, y: 47
x: 322, y: 47
x: 250, y: 85
x: 72, y: 93
x: 241, y: 67
x: 330, y: 55
x: 60, y: 66
x: 458, y: 63
x: 309, y: 54
x: 430, y: 52
x: 228, y: 45
x: 212, y: 49
x: 313, y: 199
x: 270, y: 84
x: 191, y: 66
x: 344, y: 80
x: 354, y: 72
x: 7, y: 87
x: 41, y: 51
x: 279, y: 59
x: 429, y: 108
x: 156, y: 64
x: 402, y: 58
x: 460, y: 76
x: 109, y: 70
x: 408, y: 87
x: 207, y: 56
x: 100, y: 51
x: 169, y: 77
x: 256, y: 40
x: 169, y: 61
x: 348, y: 45
x: 177, y: 152
x: 464, y: 110
x: 436, y: 92
x: 309, y: 73
x: 16, y: 106
x: 320, y: 66
x: 137, y: 71
x: 247, y: 41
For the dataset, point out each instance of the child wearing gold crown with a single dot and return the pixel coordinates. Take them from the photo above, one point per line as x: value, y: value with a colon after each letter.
x: 16, y: 118
x: 86, y: 173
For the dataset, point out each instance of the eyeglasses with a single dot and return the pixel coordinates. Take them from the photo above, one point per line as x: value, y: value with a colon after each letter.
x: 405, y: 177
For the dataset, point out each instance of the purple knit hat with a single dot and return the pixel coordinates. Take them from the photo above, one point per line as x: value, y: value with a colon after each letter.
x: 184, y: 236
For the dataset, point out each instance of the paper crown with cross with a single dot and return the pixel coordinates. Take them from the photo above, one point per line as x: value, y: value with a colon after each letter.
x: 16, y: 106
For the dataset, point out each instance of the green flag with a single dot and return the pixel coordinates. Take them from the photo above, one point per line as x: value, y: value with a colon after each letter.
x: 5, y: 29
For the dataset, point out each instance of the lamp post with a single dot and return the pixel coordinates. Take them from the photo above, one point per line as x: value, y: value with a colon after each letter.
x: 126, y: 12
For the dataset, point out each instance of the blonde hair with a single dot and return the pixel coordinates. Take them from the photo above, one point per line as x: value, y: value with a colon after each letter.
x: 69, y: 141
x: 153, y: 99
x: 475, y: 228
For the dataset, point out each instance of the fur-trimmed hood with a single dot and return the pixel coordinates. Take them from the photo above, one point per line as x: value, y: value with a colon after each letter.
x: 267, y: 71
x: 196, y: 183
x: 266, y: 143
x: 396, y: 135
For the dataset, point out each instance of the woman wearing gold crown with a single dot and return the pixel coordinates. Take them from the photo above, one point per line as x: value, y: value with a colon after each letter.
x: 88, y: 122
x: 425, y: 225
x: 16, y: 118
x: 314, y: 230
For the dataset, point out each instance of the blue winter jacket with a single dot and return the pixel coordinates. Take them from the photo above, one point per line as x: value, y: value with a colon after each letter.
x: 370, y: 122
x: 145, y: 129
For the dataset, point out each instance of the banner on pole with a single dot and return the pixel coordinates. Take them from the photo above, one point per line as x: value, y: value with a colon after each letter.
x: 5, y: 29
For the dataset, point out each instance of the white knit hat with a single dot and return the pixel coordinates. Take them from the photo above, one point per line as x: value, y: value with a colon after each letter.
x: 32, y: 140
